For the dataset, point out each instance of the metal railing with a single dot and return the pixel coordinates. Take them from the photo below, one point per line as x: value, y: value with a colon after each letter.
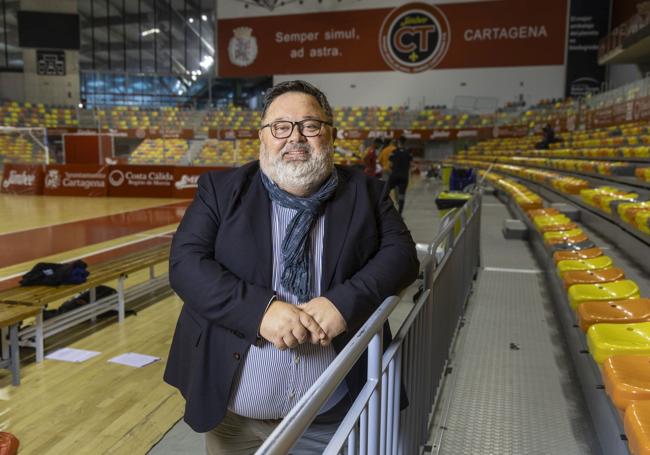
x: 415, y: 361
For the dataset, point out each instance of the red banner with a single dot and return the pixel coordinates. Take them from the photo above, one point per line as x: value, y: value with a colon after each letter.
x: 75, y: 180
x: 140, y: 181
x: 186, y: 180
x: 411, y: 38
x: 22, y: 179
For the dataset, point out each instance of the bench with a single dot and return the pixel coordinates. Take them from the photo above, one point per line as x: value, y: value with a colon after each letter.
x: 10, y: 318
x: 114, y: 269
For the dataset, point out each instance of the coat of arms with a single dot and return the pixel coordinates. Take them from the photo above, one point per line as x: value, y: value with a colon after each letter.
x: 53, y: 179
x: 242, y: 48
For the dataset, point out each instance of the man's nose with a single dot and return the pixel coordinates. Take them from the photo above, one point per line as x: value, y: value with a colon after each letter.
x: 296, y: 135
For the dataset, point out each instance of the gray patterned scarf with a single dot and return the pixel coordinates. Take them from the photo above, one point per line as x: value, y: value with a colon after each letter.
x: 295, y: 252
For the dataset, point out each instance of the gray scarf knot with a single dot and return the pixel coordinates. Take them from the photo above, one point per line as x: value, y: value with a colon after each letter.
x: 295, y: 252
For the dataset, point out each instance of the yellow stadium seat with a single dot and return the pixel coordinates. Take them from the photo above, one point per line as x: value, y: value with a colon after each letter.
x: 616, y: 290
x: 600, y: 262
x: 607, y: 340
x: 562, y: 234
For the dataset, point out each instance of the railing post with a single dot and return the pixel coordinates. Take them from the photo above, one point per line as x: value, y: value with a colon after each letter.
x: 374, y: 375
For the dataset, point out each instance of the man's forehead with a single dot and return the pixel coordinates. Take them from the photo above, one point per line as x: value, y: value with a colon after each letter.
x: 295, y: 103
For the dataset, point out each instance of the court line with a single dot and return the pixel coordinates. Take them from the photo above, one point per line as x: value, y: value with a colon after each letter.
x: 104, y: 250
x: 45, y: 226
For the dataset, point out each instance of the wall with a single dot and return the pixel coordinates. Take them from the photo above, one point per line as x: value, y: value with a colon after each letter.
x: 432, y: 87
x: 622, y: 74
x: 51, y: 89
x: 622, y: 10
x: 12, y: 86
x: 438, y: 87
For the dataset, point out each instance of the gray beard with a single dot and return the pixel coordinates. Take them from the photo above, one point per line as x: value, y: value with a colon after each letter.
x: 301, y: 176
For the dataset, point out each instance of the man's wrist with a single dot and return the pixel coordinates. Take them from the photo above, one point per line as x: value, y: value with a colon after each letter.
x: 271, y: 300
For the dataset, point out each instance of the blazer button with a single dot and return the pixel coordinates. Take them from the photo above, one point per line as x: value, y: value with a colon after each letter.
x: 239, y: 334
x: 236, y: 356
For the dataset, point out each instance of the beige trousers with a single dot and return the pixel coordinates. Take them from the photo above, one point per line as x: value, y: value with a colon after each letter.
x: 237, y: 435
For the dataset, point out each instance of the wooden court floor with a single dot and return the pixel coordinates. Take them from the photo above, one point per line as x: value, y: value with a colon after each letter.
x: 93, y: 407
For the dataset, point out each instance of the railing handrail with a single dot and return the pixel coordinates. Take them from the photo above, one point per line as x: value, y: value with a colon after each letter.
x: 305, y: 410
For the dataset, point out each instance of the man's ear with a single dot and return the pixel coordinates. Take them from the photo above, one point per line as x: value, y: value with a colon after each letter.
x: 259, y: 134
x: 334, y: 134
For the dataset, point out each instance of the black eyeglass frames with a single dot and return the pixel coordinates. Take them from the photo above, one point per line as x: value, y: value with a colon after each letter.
x: 282, y: 129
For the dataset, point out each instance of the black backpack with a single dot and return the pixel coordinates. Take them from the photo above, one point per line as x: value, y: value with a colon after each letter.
x: 52, y: 274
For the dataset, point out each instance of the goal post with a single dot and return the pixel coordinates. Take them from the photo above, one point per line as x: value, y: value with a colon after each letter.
x: 24, y: 145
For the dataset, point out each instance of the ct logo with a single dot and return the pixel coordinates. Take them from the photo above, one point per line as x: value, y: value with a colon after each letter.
x: 414, y: 37
x: 116, y: 177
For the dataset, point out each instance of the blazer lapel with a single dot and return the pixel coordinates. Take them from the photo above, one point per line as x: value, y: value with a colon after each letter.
x: 256, y: 205
x: 338, y: 214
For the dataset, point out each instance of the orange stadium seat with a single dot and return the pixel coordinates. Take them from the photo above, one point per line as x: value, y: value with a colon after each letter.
x: 613, y: 312
x: 592, y: 276
x: 637, y: 427
x: 627, y: 379
x: 566, y: 255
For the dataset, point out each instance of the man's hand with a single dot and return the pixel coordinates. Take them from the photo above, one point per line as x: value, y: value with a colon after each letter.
x: 327, y: 316
x: 286, y: 326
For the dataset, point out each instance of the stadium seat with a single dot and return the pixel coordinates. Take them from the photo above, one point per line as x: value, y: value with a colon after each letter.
x: 642, y: 221
x: 599, y: 262
x: 613, y: 312
x: 558, y: 227
x: 637, y: 427
x: 606, y: 340
x: 541, y: 221
x: 616, y: 290
x: 579, y: 238
x: 542, y: 212
x: 573, y: 246
x: 562, y: 235
x: 627, y: 379
x: 566, y: 255
x: 592, y: 276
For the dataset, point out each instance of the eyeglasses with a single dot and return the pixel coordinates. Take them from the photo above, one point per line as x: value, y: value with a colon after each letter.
x: 282, y: 129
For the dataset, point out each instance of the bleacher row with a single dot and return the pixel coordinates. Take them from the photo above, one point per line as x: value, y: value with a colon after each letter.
x: 627, y: 206
x: 25, y: 114
x: 589, y: 167
x: 607, y: 306
x: 216, y: 152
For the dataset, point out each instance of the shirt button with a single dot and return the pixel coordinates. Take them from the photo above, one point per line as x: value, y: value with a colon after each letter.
x: 236, y: 355
x: 292, y: 394
x: 296, y: 359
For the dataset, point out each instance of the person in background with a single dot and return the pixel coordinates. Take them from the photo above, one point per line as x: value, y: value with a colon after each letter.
x: 384, y: 159
x: 370, y: 158
x: 400, y: 171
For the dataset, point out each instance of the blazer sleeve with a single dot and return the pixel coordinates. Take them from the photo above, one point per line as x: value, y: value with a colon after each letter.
x: 205, y: 285
x: 393, y: 267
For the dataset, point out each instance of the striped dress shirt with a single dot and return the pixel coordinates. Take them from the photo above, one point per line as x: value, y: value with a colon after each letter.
x: 270, y: 382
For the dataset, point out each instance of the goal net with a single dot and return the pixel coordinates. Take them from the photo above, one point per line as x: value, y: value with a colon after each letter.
x: 23, y: 145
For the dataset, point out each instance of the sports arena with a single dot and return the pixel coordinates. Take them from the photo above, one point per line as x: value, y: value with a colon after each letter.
x: 324, y: 226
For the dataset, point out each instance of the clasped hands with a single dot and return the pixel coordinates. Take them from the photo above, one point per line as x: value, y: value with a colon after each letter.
x: 317, y: 321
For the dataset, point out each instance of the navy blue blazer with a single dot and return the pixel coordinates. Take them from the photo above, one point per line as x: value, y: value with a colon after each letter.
x: 221, y: 267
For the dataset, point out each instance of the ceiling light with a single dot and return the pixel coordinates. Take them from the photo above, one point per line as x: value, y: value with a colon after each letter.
x: 151, y: 31
x: 204, y: 18
x: 206, y: 62
x: 191, y: 20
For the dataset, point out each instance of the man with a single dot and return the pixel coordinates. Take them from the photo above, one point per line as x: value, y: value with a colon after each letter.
x: 401, y: 170
x: 279, y: 263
